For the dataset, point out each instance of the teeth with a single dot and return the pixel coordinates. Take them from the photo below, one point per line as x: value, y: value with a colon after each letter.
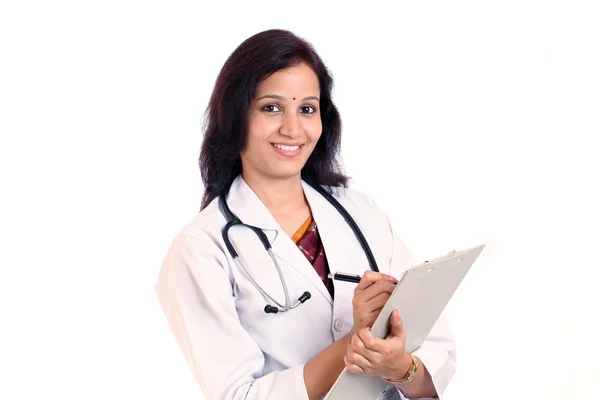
x: 286, y: 148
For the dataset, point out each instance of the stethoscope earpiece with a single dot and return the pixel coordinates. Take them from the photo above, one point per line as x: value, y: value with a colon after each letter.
x: 305, y: 296
x: 269, y: 309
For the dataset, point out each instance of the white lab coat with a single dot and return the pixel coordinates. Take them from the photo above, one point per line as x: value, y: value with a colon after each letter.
x: 235, y: 350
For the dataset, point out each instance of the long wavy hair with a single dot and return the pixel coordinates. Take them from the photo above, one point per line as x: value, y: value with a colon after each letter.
x: 226, y: 122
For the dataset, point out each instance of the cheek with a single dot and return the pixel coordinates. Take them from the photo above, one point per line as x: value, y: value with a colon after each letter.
x: 258, y: 131
x: 254, y: 147
x: 314, y: 130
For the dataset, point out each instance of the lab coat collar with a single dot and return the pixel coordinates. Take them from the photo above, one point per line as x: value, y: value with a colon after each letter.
x: 334, y: 231
x: 246, y: 204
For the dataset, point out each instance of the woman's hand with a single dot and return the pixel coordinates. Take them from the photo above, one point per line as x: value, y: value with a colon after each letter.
x: 369, y: 355
x: 370, y: 295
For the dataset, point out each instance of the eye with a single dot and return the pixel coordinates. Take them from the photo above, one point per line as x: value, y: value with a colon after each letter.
x: 308, y: 109
x: 271, y: 108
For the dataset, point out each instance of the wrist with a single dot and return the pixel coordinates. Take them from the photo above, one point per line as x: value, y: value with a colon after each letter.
x: 407, y: 371
x: 407, y: 361
x: 403, y: 367
x: 352, y: 331
x: 346, y: 340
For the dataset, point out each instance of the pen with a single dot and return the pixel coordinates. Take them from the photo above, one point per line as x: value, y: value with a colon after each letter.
x: 342, y: 276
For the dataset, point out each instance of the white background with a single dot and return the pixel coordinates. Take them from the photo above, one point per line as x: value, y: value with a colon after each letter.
x: 468, y: 121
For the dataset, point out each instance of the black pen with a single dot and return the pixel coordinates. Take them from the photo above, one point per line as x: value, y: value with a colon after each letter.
x: 340, y: 276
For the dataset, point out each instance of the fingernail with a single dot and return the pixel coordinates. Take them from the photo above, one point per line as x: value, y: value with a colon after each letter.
x: 392, y: 279
x: 397, y: 315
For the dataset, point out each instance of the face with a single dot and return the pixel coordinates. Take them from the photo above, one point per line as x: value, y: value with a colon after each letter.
x: 284, y: 124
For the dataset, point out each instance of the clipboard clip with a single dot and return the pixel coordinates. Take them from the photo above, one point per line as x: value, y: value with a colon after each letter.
x: 452, y: 253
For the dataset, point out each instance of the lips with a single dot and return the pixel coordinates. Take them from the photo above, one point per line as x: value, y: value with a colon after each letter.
x: 287, y: 149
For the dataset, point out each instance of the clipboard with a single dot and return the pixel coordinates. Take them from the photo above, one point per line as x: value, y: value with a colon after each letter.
x: 420, y: 296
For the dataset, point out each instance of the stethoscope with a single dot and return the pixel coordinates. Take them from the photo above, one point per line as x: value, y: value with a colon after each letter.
x: 233, y: 220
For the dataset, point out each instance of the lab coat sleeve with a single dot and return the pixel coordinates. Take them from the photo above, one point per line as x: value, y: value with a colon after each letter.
x: 196, y: 295
x: 438, y: 351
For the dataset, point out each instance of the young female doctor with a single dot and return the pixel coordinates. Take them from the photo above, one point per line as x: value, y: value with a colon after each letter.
x: 245, y: 285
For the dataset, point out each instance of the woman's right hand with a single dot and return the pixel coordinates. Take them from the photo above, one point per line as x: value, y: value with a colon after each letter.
x: 371, y: 294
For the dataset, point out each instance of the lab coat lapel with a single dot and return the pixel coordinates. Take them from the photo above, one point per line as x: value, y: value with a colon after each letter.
x: 246, y: 204
x: 288, y: 253
x: 342, y: 249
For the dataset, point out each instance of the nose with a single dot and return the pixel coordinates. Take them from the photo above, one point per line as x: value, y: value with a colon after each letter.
x: 290, y: 125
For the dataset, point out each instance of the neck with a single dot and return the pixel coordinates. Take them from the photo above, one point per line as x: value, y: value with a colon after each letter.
x: 280, y: 196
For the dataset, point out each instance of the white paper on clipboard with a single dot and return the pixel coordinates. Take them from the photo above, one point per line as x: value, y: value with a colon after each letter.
x: 421, y: 296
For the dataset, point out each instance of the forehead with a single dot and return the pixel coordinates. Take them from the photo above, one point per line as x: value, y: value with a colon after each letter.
x: 299, y: 80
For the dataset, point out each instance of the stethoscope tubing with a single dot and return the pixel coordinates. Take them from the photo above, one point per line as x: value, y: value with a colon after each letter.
x: 233, y: 220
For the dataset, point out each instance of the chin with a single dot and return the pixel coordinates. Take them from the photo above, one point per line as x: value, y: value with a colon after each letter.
x: 283, y: 175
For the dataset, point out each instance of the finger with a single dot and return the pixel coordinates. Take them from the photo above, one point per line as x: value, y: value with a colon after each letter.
x: 370, y: 277
x: 397, y: 327
x: 357, y: 346
x: 360, y: 361
x: 372, y: 343
x: 376, y: 303
x: 402, y: 329
x: 352, y: 367
x: 377, y: 288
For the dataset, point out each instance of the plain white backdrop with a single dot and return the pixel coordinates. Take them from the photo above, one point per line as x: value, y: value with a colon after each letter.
x: 468, y: 122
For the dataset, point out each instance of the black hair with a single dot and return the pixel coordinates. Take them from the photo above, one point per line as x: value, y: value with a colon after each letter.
x: 227, y: 114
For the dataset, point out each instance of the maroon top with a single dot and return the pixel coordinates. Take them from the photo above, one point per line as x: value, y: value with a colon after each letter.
x: 312, y: 247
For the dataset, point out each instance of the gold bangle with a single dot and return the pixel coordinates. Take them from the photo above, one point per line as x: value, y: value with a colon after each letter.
x: 410, y: 373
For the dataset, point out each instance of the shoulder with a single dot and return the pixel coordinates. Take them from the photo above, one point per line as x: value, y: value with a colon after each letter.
x: 363, y: 209
x: 206, y: 224
x: 373, y: 223
x: 377, y: 228
x: 356, y: 200
x: 200, y: 237
x: 356, y: 196
x: 197, y: 247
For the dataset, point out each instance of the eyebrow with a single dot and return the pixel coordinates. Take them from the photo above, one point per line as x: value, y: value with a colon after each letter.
x: 274, y: 96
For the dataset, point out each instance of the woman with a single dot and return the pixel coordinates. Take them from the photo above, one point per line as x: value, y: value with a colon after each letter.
x: 273, y: 129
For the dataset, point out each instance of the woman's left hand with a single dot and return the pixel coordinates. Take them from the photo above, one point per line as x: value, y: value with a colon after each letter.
x: 369, y: 355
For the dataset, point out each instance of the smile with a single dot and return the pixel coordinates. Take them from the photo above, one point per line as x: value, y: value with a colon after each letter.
x: 289, y: 150
x: 286, y: 148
